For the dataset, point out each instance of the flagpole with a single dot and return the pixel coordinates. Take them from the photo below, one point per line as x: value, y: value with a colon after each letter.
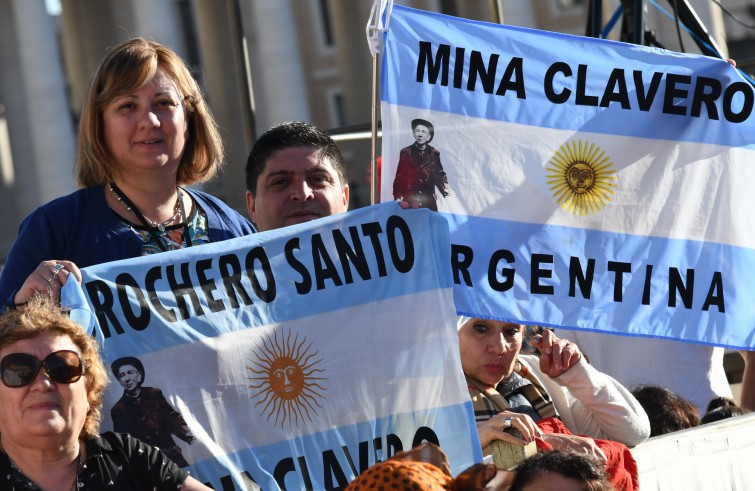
x: 374, y: 29
x: 495, y: 6
x: 373, y: 121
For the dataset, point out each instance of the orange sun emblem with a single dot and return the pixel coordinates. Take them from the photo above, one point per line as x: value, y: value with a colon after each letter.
x: 285, y: 379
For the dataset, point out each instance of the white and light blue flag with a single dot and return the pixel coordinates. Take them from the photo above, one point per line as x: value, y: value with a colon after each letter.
x: 297, y: 357
x: 593, y: 184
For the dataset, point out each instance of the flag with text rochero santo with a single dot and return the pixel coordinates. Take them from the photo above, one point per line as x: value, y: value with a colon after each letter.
x: 591, y: 184
x: 296, y: 358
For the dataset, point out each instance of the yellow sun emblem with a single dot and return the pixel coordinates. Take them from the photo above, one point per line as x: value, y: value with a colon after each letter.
x: 581, y: 177
x: 284, y: 379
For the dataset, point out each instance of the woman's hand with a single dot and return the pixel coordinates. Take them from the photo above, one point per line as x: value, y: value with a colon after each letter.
x: 47, y: 279
x: 557, y: 355
x: 191, y: 484
x: 493, y: 429
x: 581, y: 445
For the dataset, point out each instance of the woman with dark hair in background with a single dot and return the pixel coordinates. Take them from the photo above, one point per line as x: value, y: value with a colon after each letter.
x: 667, y: 411
x: 560, y: 471
x: 553, y: 399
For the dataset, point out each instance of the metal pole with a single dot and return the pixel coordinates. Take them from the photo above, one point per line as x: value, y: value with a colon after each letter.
x: 639, y: 22
x: 594, y: 18
x: 497, y: 10
x: 373, y: 159
x: 245, y: 76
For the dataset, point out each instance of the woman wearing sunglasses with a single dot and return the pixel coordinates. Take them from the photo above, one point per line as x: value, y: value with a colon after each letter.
x: 53, y: 381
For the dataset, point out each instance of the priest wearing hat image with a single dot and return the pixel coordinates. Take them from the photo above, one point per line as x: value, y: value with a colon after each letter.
x: 145, y: 414
x: 419, y: 172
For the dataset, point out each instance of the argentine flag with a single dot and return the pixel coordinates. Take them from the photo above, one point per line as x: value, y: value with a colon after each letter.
x: 297, y: 357
x: 590, y: 184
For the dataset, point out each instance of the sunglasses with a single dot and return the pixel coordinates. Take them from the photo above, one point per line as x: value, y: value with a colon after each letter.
x: 20, y: 369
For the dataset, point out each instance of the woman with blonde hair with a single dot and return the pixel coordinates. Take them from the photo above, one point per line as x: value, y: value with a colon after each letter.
x: 145, y: 133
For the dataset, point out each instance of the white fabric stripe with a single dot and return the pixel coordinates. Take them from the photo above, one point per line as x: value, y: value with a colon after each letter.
x: 664, y: 189
x: 359, y: 365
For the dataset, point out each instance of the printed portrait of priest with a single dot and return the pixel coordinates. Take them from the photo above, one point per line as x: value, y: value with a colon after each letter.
x: 419, y: 173
x: 145, y: 413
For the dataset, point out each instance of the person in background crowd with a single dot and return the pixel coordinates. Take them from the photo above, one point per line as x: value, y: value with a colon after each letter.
x: 145, y: 133
x: 722, y: 408
x: 559, y: 382
x: 294, y: 173
x: 667, y: 411
x: 723, y: 412
x: 560, y: 471
x: 717, y: 402
x: 747, y: 396
x: 552, y: 399
x: 53, y: 381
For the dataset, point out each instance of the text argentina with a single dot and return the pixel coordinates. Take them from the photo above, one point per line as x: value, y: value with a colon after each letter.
x: 582, y: 273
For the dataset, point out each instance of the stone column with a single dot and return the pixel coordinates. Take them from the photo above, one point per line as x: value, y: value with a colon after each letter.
x: 279, y: 81
x: 87, y: 29
x: 158, y: 20
x: 47, y: 115
x: 222, y: 78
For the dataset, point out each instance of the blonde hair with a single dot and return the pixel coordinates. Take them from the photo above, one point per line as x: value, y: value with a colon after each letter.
x: 128, y: 67
x: 42, y: 315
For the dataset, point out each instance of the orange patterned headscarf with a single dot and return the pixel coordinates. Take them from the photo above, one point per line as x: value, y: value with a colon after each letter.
x: 425, y: 467
x: 402, y: 475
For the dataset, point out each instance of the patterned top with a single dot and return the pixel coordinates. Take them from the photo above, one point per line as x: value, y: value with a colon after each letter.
x: 114, y: 462
x: 173, y: 237
x: 519, y: 393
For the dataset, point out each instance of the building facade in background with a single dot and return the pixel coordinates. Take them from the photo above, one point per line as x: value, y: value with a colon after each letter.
x: 260, y: 62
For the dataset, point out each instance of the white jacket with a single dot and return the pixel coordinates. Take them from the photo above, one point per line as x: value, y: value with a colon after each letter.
x: 592, y: 403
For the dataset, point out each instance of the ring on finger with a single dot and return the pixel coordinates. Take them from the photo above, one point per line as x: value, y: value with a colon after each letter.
x: 57, y: 269
x: 50, y: 280
x: 507, y: 422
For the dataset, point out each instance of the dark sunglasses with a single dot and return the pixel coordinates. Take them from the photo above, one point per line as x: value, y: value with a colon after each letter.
x: 20, y: 369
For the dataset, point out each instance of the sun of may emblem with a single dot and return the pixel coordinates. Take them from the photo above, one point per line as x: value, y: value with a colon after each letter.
x: 581, y: 177
x: 285, y: 380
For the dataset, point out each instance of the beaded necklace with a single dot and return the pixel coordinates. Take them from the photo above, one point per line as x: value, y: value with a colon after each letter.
x: 155, y: 229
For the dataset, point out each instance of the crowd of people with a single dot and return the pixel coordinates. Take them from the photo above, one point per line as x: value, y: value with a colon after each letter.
x: 145, y: 135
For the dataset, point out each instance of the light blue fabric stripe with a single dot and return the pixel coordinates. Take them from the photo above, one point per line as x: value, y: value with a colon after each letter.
x: 539, y: 50
x: 428, y: 235
x: 622, y: 312
x: 327, y: 460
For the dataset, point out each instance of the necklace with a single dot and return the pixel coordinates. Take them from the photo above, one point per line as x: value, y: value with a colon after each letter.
x: 153, y: 227
x: 129, y: 205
